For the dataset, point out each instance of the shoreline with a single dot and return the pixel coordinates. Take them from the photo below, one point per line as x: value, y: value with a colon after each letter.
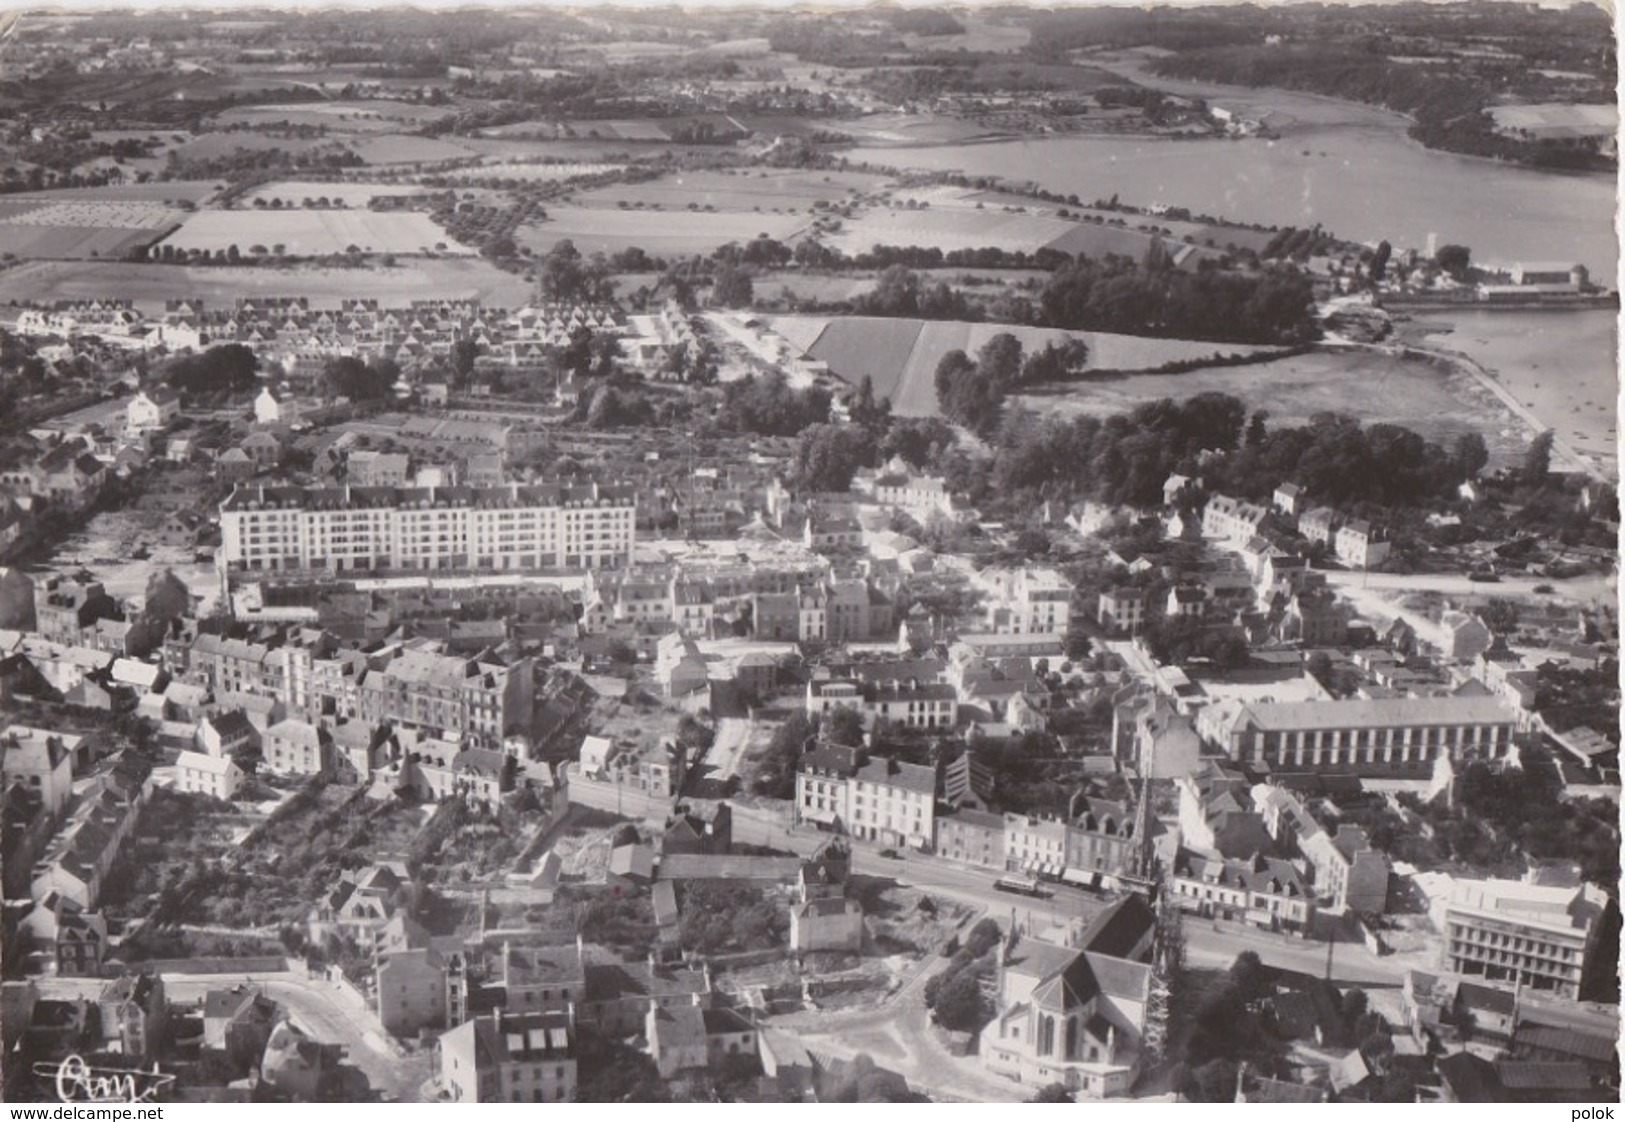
x: 1143, y: 76
x: 1562, y: 448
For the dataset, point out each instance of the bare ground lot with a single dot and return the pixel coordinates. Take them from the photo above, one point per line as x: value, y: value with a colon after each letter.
x: 150, y: 285
x: 1437, y: 401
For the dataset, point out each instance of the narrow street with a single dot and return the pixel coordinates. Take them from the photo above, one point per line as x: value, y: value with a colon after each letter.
x: 313, y: 1005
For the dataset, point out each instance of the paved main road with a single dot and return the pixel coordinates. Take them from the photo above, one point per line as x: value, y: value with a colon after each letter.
x: 973, y: 886
x: 313, y: 1004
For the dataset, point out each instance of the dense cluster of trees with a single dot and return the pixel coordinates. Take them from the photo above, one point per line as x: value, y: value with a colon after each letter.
x: 769, y: 406
x: 566, y: 277
x: 358, y: 380
x: 972, y: 393
x: 219, y: 371
x: 899, y: 292
x: 1152, y: 297
x: 1528, y: 807
x: 1124, y: 459
x: 955, y: 995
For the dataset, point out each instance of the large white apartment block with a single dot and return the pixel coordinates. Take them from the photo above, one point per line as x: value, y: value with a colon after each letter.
x: 347, y: 529
x: 1532, y: 935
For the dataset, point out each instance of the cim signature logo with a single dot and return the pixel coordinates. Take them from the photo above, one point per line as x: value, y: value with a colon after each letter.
x: 78, y: 1082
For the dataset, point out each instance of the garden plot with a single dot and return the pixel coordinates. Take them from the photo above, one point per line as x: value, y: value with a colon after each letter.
x: 314, y: 233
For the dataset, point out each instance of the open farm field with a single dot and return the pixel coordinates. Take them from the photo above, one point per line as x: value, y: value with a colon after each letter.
x: 213, y: 144
x: 528, y: 173
x: 169, y: 191
x: 47, y: 228
x: 149, y: 285
x: 659, y: 233
x: 955, y: 227
x: 339, y: 116
x: 293, y: 192
x: 899, y: 128
x: 1434, y: 399
x: 750, y: 189
x: 398, y: 148
x: 901, y: 355
x: 1554, y: 121
x: 312, y: 233
x: 525, y: 148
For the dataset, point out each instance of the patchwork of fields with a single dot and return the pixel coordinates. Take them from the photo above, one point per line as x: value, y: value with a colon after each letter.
x: 314, y: 233
x: 50, y: 228
x: 901, y: 355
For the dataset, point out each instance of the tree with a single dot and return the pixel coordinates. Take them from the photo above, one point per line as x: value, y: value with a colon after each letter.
x: 1320, y: 668
x: 960, y: 1005
x: 828, y: 456
x: 1501, y: 617
x: 843, y: 725
x: 1379, y: 261
x: 1537, y: 461
x: 348, y: 376
x: 167, y: 597
x: 1471, y: 454
x: 1053, y: 1093
x: 1251, y: 978
x: 463, y: 354
x: 1454, y: 259
x: 999, y: 360
x: 732, y: 288
x: 1355, y: 1004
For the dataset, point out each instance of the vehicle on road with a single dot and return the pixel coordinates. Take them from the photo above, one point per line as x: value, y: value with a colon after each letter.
x: 891, y: 855
x: 1484, y: 576
x: 1023, y: 886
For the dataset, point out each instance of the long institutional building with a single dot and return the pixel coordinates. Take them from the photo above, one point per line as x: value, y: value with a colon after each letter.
x: 362, y: 529
x: 1366, y: 736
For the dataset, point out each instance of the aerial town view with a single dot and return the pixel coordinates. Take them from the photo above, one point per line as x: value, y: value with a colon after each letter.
x: 948, y: 554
